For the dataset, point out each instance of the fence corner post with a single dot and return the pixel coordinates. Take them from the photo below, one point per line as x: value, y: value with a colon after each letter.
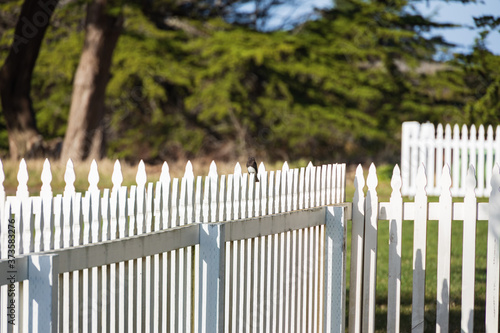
x: 211, y: 282
x: 335, y: 269
x: 43, y: 273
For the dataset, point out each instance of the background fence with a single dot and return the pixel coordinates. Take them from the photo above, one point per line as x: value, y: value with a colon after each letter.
x: 132, y: 259
x: 436, y: 147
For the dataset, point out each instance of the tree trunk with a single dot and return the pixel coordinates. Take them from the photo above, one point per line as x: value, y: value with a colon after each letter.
x: 15, y: 78
x: 85, y: 134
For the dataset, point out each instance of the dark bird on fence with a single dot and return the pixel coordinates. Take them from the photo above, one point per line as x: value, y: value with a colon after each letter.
x: 252, y: 167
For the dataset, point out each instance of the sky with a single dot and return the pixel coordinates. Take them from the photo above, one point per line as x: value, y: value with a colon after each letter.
x: 438, y: 10
x: 463, y: 14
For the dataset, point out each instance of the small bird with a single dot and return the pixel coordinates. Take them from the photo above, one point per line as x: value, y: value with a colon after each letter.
x: 252, y: 167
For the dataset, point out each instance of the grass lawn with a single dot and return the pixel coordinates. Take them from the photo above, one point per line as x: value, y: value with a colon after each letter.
x: 384, y: 191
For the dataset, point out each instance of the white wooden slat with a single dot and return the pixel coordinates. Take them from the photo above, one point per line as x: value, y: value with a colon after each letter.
x: 481, y: 154
x: 148, y: 268
x: 237, y: 191
x: 77, y: 276
x: 414, y: 153
x: 244, y: 196
x: 251, y: 197
x: 183, y: 202
x: 444, y: 254
x: 58, y: 222
x: 329, y: 199
x: 212, y: 175
x: 307, y: 187
x: 174, y: 210
x: 469, y: 253
x: 309, y: 277
x: 430, y: 149
x: 447, y: 147
x: 395, y: 245
x: 166, y: 182
x: 302, y: 176
x: 270, y: 194
x: 149, y: 207
x: 47, y: 226
x: 318, y: 191
x: 456, y: 160
x: 289, y: 190
x: 419, y: 253
x: 489, y: 160
x: 284, y: 189
x: 229, y: 308
x: 198, y: 199
x: 229, y: 197
x: 222, y: 199
x: 312, y: 186
x: 301, y: 268
x: 249, y: 259
x: 295, y: 189
x: 206, y: 201
x: 158, y: 206
x: 257, y: 199
x: 261, y: 284
x: 370, y: 252
x: 281, y: 299
x: 466, y: 158
x: 439, y: 154
x: 341, y: 182
x: 422, y: 145
x: 263, y: 189
x: 277, y: 190
x: 324, y: 184
x: 294, y: 281
x: 492, y: 266
x: 357, y: 246
x: 335, y: 197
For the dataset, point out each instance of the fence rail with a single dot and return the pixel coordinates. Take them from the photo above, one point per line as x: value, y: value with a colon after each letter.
x: 127, y: 259
x: 435, y: 147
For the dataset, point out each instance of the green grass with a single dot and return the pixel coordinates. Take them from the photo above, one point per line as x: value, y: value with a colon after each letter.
x: 384, y: 191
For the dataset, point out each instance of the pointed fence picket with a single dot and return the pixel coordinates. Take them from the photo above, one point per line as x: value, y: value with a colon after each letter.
x: 367, y: 212
x: 457, y: 148
x: 261, y: 293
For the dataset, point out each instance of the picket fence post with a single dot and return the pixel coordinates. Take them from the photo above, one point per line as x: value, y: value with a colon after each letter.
x: 334, y: 278
x: 212, y: 277
x: 43, y: 288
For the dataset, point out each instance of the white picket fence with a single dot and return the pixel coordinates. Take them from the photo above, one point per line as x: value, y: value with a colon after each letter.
x: 367, y: 211
x: 436, y: 147
x: 150, y: 258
